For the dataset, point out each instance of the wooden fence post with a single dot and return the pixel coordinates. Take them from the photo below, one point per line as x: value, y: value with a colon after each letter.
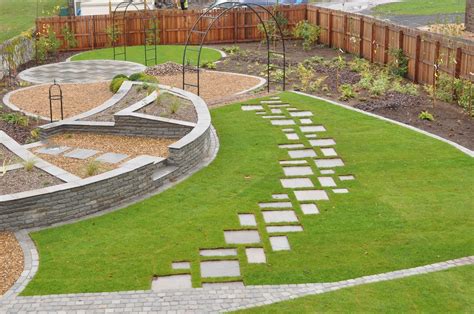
x: 330, y: 29
x: 318, y: 23
x: 372, y: 43
x: 361, y: 37
x: 386, y: 44
x: 417, y: 59
x: 457, y: 69
x: 345, y: 44
x: 400, y: 40
x: 436, y: 60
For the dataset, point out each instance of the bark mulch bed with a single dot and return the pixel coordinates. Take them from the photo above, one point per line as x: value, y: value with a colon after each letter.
x: 451, y: 122
x: 213, y: 84
x: 77, y: 98
x: 20, y: 180
x: 11, y: 261
x: 135, y: 94
x: 170, y: 106
x: 130, y: 145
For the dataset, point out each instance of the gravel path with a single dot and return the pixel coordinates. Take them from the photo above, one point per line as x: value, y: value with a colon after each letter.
x: 11, y: 261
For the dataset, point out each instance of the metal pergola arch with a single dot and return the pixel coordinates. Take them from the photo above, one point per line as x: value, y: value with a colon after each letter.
x: 227, y: 6
x: 144, y: 19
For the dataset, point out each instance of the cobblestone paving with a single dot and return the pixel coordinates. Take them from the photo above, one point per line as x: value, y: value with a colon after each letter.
x: 79, y: 71
x: 202, y: 300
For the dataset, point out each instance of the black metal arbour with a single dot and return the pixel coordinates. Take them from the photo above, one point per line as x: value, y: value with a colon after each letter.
x: 119, y: 21
x: 227, y: 6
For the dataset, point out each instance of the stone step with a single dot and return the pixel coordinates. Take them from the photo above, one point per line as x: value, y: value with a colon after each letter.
x: 163, y: 172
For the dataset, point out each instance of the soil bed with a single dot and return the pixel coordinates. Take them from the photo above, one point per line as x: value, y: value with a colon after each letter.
x: 79, y: 167
x: 11, y: 261
x: 135, y: 94
x: 20, y: 180
x: 77, y: 98
x: 7, y: 156
x: 171, y: 106
x: 451, y: 122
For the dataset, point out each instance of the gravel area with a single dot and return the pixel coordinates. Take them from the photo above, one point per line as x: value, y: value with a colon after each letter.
x: 170, y: 106
x: 167, y: 68
x: 214, y: 85
x: 135, y: 94
x: 11, y: 261
x: 6, y: 154
x: 78, y: 167
x: 20, y: 180
x: 77, y: 98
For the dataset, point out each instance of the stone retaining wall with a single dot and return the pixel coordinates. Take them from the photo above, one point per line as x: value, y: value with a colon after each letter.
x: 15, y: 52
x: 133, y: 180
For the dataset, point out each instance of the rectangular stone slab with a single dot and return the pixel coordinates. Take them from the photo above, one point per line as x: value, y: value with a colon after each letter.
x: 275, y: 205
x: 311, y: 195
x: 302, y: 153
x: 280, y: 243
x: 275, y: 111
x: 311, y: 135
x: 255, y: 255
x: 212, y: 269
x: 306, y: 121
x: 312, y: 128
x: 329, y: 152
x: 242, y: 237
x: 297, y: 171
x: 52, y: 150
x: 292, y: 136
x: 309, y: 209
x: 282, y: 229
x: 247, y: 220
x: 293, y: 162
x: 218, y: 252
x: 346, y: 178
x: 171, y: 283
x: 290, y: 146
x: 181, y: 265
x: 276, y: 216
x: 280, y: 196
x: 326, y: 181
x: 296, y: 183
x: 327, y: 171
x: 322, y: 142
x: 329, y: 163
x: 282, y: 122
x: 340, y: 191
x: 301, y: 114
x: 80, y: 153
x: 111, y: 158
x: 252, y: 107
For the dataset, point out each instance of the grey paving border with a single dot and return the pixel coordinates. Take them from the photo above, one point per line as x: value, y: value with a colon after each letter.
x: 463, y: 149
x: 204, y: 300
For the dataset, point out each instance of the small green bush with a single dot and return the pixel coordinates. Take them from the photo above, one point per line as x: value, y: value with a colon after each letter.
x: 425, y: 115
x: 308, y: 32
x: 119, y: 76
x: 15, y: 118
x: 347, y: 92
x: 136, y: 76
x: 116, y: 83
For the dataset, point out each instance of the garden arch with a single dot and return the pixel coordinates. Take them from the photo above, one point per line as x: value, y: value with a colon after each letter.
x: 225, y: 7
x: 119, y: 21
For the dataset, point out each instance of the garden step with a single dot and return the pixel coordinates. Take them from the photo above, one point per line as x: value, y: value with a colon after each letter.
x: 163, y: 172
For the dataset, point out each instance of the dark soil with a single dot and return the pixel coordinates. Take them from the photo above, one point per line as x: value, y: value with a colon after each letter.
x: 20, y: 180
x: 135, y: 94
x: 171, y: 107
x: 7, y: 155
x: 451, y: 122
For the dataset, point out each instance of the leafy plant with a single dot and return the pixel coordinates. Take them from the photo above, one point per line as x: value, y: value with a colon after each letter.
x: 69, y: 37
x: 232, y: 50
x: 307, y: 77
x: 425, y: 115
x: 174, y: 107
x: 209, y: 65
x: 399, y: 64
x: 347, y: 92
x: 92, y: 168
x: 15, y: 118
x: 47, y: 43
x: 271, y: 26
x: 116, y: 84
x: 408, y: 88
x: 359, y: 65
x: 29, y: 164
x: 35, y: 134
x: 308, y: 32
x: 113, y: 34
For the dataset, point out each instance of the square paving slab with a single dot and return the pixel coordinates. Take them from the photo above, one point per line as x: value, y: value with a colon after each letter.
x: 275, y: 205
x: 283, y: 229
x: 326, y: 181
x: 327, y: 171
x: 280, y: 196
x: 255, y: 255
x: 242, y: 237
x: 292, y: 136
x: 276, y: 111
x: 312, y: 128
x: 309, y: 209
x: 301, y: 114
x: 296, y: 183
x: 347, y: 178
x: 311, y: 195
x: 210, y: 269
x: 80, y: 153
x: 218, y: 252
x: 181, y: 265
x: 329, y: 152
x: 322, y: 142
x: 340, y: 191
x: 252, y: 107
x: 302, y: 153
x: 171, y: 282
x: 279, y: 216
x: 292, y: 109
x: 282, y: 122
x: 293, y: 162
x: 111, y: 158
x: 280, y: 243
x: 297, y: 171
x: 247, y: 220
x: 329, y: 163
x: 52, y: 150
x: 290, y: 146
x: 306, y: 121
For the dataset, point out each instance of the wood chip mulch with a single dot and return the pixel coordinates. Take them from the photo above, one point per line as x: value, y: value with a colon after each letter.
x: 11, y: 261
x: 77, y: 98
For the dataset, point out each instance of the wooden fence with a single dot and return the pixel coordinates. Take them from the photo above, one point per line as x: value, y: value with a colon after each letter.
x: 367, y: 37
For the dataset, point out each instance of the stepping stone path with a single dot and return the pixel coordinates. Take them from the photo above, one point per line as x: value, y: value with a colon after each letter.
x: 301, y: 171
x: 52, y: 150
x: 80, y: 153
x: 112, y: 158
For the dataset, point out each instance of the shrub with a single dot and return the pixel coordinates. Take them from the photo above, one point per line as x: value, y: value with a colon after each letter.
x: 209, y: 65
x: 359, y: 65
x: 347, y: 92
x: 69, y: 37
x: 232, y: 50
x: 425, y: 115
x: 399, y: 65
x: 119, y: 76
x: 308, y: 32
x: 29, y: 164
x: 15, y: 118
x: 380, y: 85
x: 174, y: 107
x: 116, y: 83
x: 136, y: 76
x: 35, y: 134
x: 92, y: 168
x: 408, y: 88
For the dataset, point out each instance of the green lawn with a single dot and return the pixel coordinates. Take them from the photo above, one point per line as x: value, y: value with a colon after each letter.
x: 449, y: 291
x: 17, y: 16
x: 165, y: 53
x: 411, y: 204
x: 422, y: 7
